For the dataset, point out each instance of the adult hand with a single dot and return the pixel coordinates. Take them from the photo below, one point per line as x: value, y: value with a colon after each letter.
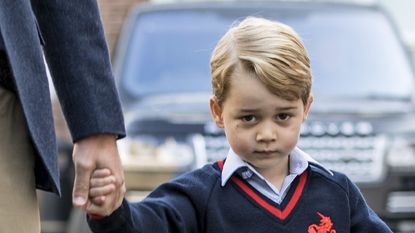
x: 95, y: 152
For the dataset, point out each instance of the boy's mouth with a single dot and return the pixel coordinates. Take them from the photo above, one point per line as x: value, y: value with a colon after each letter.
x: 265, y: 152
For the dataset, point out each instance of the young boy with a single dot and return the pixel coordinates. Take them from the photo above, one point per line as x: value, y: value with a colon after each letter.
x: 261, y: 95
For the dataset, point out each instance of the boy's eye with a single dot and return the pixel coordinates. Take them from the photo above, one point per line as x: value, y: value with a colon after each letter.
x: 248, y: 118
x: 282, y: 117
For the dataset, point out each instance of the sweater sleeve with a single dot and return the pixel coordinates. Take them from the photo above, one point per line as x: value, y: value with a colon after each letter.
x: 177, y: 206
x: 363, y: 218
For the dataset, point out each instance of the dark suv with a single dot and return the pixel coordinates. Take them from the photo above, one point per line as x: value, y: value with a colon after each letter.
x: 363, y: 117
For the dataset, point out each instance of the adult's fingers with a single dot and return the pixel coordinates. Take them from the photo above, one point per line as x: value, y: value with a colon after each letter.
x: 121, y: 194
x: 81, y: 184
x: 80, y: 190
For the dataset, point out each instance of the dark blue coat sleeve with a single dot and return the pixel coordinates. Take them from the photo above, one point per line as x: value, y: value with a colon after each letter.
x: 151, y: 215
x: 78, y: 59
x: 177, y: 206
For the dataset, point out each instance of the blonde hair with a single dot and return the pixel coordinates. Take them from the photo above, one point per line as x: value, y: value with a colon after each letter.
x: 272, y: 51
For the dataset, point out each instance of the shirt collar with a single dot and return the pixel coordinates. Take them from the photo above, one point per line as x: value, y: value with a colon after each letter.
x: 299, y: 161
x: 233, y: 163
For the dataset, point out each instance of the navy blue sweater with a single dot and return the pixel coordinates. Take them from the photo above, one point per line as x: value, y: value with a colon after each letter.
x: 317, y: 202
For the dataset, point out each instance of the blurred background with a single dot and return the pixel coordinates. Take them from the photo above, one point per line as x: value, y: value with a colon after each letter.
x: 362, y: 55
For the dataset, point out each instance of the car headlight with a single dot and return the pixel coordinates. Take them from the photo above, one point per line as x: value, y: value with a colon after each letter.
x: 402, y: 154
x: 149, y: 151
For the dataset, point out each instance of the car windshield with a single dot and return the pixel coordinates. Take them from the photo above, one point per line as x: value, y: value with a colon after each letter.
x: 353, y: 53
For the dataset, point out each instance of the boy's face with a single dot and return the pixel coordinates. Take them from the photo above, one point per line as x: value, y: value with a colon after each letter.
x: 261, y: 127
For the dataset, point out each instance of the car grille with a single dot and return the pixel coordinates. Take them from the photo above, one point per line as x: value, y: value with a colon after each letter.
x: 216, y: 147
x: 353, y: 149
x: 360, y: 158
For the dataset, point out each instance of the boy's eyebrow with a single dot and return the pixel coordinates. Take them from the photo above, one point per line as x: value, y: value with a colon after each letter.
x: 250, y: 110
x: 287, y: 108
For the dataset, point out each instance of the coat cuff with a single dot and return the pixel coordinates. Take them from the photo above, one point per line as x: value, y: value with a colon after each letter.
x: 113, y: 223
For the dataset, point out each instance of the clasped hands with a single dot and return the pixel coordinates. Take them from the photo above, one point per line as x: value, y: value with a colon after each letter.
x: 99, y: 186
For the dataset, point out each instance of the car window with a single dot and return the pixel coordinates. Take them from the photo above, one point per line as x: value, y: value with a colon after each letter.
x: 170, y: 53
x: 352, y: 53
x: 356, y: 55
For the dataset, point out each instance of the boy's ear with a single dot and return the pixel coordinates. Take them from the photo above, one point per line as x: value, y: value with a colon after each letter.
x: 216, y: 112
x: 307, y: 107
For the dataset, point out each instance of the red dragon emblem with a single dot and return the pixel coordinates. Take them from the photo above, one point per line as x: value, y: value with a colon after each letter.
x: 325, y: 226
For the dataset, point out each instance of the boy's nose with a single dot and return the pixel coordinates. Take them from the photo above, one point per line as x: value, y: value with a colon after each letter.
x: 267, y: 133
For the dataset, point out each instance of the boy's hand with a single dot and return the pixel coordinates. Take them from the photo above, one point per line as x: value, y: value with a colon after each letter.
x: 102, y: 184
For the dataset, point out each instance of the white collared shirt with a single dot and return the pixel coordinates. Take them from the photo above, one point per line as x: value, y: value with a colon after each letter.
x: 299, y: 161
